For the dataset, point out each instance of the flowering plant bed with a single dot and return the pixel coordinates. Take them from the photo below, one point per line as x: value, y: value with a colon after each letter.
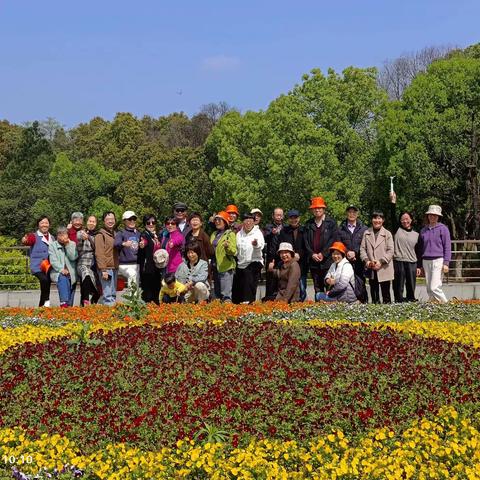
x: 263, y: 391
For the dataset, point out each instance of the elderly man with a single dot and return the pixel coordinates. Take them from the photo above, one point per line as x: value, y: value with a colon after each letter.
x: 127, y: 243
x: 320, y: 233
x: 271, y: 231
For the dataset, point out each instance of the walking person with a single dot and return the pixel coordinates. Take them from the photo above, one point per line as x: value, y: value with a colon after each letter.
x: 434, y: 253
x: 150, y: 274
x: 376, y: 252
x: 106, y: 257
x: 320, y: 233
x: 38, y: 253
x: 250, y: 243
x: 405, y: 254
x: 86, y: 269
x: 63, y: 258
x: 224, y: 242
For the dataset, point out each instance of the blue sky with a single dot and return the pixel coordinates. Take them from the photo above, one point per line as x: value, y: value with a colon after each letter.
x: 76, y: 60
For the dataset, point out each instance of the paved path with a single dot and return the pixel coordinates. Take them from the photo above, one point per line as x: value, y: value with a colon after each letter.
x: 29, y: 298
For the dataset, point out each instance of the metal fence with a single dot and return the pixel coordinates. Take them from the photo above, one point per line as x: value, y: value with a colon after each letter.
x: 15, y: 266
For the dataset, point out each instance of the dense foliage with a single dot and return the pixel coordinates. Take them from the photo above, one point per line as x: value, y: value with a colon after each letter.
x: 337, y: 135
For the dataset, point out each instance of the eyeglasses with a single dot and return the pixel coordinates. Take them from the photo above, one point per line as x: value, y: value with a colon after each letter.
x: 180, y: 210
x: 170, y: 223
x: 151, y: 222
x: 133, y: 219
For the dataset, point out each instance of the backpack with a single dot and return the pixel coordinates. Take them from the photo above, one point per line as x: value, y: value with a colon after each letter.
x: 359, y: 288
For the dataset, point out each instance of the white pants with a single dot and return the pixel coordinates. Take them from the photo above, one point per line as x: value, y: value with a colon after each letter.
x: 433, y: 278
x: 199, y: 293
x: 130, y: 272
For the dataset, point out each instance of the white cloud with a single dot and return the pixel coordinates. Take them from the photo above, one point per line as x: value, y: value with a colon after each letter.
x: 220, y: 63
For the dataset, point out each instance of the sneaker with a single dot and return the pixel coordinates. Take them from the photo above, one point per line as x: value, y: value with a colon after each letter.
x: 86, y: 303
x: 64, y: 305
x: 47, y: 303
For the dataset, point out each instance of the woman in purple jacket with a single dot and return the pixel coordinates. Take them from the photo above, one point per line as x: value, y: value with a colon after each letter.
x: 173, y: 242
x: 435, y: 253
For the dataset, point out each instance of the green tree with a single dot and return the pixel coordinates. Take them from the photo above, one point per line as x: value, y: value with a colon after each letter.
x: 430, y: 142
x: 24, y: 181
x: 74, y: 186
x: 317, y: 140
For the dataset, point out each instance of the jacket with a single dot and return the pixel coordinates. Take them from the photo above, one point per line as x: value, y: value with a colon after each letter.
x: 203, y: 240
x: 225, y: 255
x: 39, y: 250
x: 246, y: 252
x: 329, y: 235
x: 106, y: 254
x: 343, y: 289
x: 61, y: 257
x: 298, y: 244
x: 173, y: 243
x: 380, y: 248
x: 270, y: 238
x: 288, y: 282
x: 127, y: 255
x: 145, y: 254
x: 199, y: 272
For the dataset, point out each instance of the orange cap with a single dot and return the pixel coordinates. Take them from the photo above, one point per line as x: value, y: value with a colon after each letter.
x: 232, y: 209
x: 318, y: 202
x: 45, y: 266
x: 224, y: 216
x: 339, y: 246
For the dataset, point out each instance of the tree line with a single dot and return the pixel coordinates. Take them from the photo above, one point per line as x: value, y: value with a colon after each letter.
x: 336, y: 135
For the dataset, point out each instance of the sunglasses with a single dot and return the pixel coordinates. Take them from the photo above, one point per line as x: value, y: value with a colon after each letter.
x: 151, y: 222
x: 170, y: 223
x: 180, y: 210
x: 133, y: 219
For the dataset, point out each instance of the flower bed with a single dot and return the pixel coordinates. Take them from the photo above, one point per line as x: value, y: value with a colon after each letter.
x: 264, y: 391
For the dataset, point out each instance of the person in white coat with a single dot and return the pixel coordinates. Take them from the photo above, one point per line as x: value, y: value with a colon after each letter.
x: 340, y: 278
x: 250, y: 243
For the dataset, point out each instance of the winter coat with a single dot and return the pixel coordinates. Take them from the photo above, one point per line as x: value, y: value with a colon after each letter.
x: 106, y: 254
x: 225, y: 255
x: 329, y: 235
x: 380, y: 249
x: 343, y: 289
x: 288, y: 276
x: 199, y: 272
x: 63, y: 256
x: 246, y: 252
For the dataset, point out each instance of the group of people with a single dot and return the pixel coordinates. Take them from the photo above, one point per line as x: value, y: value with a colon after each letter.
x: 178, y: 261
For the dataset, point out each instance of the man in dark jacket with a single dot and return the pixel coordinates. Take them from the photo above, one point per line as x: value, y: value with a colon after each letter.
x: 320, y: 233
x: 293, y: 234
x: 350, y: 233
x: 270, y: 232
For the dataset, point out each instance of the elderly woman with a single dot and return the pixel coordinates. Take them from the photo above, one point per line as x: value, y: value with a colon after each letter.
x: 193, y: 273
x: 150, y: 274
x: 63, y: 258
x: 106, y: 257
x: 173, y: 242
x: 223, y: 262
x: 250, y: 243
x: 75, y: 226
x: 39, y: 264
x: 376, y: 252
x: 340, y: 277
x: 89, y: 282
x: 435, y: 253
x: 198, y: 234
x: 287, y: 274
